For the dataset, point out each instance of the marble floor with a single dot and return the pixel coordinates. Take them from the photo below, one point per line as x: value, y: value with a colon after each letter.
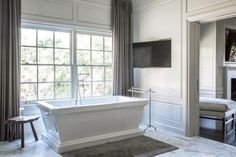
x: 188, y: 147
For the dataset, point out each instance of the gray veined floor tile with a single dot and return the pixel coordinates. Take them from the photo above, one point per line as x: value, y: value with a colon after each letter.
x: 188, y: 147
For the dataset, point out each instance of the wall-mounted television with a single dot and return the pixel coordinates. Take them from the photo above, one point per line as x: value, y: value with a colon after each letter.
x: 152, y: 54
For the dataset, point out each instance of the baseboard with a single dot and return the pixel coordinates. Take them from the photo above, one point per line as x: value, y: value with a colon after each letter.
x: 169, y: 128
x: 90, y: 141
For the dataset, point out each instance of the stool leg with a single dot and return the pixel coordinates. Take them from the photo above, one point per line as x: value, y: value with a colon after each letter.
x: 34, y: 132
x: 22, y: 136
x: 13, y: 126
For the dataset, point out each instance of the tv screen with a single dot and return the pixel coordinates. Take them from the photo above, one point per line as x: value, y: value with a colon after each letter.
x: 152, y: 54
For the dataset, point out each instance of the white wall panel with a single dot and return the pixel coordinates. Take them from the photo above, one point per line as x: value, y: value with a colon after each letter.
x: 207, y: 56
x: 159, y: 23
x: 94, y: 13
x: 48, y: 8
x: 154, y: 20
x: 165, y: 115
x: 84, y: 13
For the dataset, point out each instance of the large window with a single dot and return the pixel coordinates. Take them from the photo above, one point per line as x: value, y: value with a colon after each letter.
x: 45, y: 65
x: 48, y: 65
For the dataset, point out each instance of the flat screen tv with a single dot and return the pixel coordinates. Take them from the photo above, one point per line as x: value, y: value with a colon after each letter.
x: 152, y: 54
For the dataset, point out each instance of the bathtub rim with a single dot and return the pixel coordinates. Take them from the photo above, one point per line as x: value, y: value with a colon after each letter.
x: 51, y: 109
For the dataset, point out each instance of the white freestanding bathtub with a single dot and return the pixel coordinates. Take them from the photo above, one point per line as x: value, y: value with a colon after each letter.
x: 95, y: 121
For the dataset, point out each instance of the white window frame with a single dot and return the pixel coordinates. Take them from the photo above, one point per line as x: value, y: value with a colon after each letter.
x: 73, y: 54
x: 92, y: 65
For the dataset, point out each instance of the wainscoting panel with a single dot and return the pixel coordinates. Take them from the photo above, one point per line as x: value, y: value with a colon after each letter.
x: 90, y: 12
x: 165, y: 115
x: 48, y: 8
x: 75, y: 13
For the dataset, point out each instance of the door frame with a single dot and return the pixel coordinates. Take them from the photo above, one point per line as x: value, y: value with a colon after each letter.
x: 191, y: 43
x: 193, y: 78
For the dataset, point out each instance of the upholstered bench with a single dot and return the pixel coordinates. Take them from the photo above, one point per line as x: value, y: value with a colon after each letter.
x: 220, y: 110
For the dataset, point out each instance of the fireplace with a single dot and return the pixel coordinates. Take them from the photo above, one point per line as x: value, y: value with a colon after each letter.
x: 231, y: 82
x: 233, y: 89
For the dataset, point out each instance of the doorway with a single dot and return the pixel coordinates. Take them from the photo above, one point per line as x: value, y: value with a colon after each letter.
x: 217, y: 71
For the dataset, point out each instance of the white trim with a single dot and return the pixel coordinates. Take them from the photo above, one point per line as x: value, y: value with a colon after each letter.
x: 207, y: 6
x: 149, y: 5
x: 64, y: 26
x: 213, y: 13
x: 179, y: 131
x: 230, y: 74
x: 89, y: 141
x: 193, y: 32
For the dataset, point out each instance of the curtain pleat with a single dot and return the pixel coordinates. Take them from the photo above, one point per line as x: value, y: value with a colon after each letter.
x: 122, y: 46
x: 10, y: 26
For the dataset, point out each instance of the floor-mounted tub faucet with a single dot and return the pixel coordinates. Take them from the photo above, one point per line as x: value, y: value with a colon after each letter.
x: 80, y: 85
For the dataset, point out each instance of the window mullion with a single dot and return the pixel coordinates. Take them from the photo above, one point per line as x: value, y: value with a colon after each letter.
x: 104, y: 79
x: 74, y: 72
x: 37, y: 84
x: 92, y: 67
x: 54, y: 67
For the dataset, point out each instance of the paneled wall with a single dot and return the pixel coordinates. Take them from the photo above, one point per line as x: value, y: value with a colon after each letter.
x: 154, y: 20
x: 207, y: 60
x: 79, y: 13
x: 212, y: 65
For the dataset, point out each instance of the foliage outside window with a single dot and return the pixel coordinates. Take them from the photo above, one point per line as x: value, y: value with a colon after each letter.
x: 46, y: 64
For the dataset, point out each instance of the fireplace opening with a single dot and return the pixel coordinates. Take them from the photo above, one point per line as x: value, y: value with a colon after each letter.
x: 233, y: 89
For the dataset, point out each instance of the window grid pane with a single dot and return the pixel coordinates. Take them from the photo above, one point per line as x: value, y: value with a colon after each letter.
x: 44, y: 81
x: 46, y: 69
x: 100, y: 60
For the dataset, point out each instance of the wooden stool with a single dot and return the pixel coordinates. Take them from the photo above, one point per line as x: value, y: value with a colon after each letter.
x: 21, y: 121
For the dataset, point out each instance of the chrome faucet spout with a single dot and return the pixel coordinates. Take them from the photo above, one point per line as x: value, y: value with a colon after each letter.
x: 82, y: 84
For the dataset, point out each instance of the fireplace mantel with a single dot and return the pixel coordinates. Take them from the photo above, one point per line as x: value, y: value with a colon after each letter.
x: 230, y: 74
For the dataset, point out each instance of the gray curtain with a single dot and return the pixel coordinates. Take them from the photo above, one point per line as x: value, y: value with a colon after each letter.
x: 122, y: 46
x: 10, y: 24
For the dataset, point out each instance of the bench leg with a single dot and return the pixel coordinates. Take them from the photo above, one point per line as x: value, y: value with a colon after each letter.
x: 234, y: 122
x: 34, y: 132
x: 224, y: 129
x: 13, y: 127
x: 22, y: 136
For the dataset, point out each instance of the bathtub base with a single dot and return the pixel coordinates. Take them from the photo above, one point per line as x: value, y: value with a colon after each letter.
x: 91, y: 141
